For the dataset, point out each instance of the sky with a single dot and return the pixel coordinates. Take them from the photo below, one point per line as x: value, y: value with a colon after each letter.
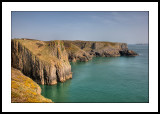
x: 118, y: 26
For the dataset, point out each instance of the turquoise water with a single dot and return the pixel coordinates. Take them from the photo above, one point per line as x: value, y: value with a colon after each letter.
x: 105, y: 80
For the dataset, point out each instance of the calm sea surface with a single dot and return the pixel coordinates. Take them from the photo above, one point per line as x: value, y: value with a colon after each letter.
x: 105, y: 79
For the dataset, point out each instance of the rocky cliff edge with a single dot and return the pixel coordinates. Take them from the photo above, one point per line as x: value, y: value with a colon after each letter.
x: 85, y: 50
x: 47, y: 62
x: 44, y: 62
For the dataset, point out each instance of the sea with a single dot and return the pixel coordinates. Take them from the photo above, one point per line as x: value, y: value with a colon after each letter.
x: 105, y: 80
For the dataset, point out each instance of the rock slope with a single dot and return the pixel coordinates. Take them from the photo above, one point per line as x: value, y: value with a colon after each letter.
x: 24, y: 89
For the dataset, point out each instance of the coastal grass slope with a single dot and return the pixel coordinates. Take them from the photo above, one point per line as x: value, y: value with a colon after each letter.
x: 24, y: 89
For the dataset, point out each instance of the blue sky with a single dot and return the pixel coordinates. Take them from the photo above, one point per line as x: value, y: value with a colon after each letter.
x: 128, y: 27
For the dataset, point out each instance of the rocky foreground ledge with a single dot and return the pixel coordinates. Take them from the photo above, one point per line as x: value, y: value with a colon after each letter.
x: 47, y: 62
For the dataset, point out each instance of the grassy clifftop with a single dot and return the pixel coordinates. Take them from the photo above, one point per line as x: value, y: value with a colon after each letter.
x: 46, y: 62
x: 75, y: 52
x: 24, y: 89
x: 95, y: 44
x: 43, y: 50
x: 85, y: 50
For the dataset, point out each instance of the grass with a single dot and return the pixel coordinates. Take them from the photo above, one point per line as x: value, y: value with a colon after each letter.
x: 71, y: 48
x: 62, y: 46
x: 24, y: 89
x: 48, y: 52
x: 109, y: 44
x: 88, y: 45
x: 39, y: 45
x: 40, y: 49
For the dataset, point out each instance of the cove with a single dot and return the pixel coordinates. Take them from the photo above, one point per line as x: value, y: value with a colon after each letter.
x: 105, y: 80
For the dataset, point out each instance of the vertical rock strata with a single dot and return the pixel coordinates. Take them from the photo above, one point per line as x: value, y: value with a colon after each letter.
x: 47, y: 62
x: 85, y: 50
x: 44, y: 62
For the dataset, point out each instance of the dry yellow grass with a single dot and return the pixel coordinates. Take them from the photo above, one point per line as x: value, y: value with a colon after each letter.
x: 40, y: 49
x: 71, y: 48
x: 25, y: 90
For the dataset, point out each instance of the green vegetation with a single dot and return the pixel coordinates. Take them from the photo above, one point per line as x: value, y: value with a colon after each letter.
x: 56, y: 42
x: 109, y: 44
x: 39, y: 45
x: 62, y: 46
x: 58, y: 53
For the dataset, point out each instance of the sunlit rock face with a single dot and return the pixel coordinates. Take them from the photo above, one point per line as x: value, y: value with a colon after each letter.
x: 44, y: 62
x: 47, y: 62
x: 85, y: 50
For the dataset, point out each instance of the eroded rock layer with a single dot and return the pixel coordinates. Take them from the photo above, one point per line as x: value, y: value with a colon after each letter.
x: 44, y: 62
x: 47, y: 62
x: 85, y: 50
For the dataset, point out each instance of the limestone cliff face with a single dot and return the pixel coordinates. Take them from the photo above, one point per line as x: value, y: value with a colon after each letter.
x: 93, y: 48
x: 47, y: 62
x: 44, y: 62
x: 75, y: 52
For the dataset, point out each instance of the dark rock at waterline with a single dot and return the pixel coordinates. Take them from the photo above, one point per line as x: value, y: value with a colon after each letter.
x: 128, y: 53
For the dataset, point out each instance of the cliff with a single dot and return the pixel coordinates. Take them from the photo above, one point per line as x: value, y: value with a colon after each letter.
x: 47, y: 62
x: 24, y: 89
x: 85, y: 50
x: 44, y: 62
x: 75, y: 52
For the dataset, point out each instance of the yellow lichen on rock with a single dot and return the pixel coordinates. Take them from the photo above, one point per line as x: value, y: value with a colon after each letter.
x: 24, y: 89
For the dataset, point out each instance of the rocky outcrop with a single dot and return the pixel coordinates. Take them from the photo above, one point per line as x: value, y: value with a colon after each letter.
x: 75, y: 53
x: 47, y: 62
x: 128, y: 53
x: 25, y: 90
x: 44, y: 62
x: 93, y: 49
